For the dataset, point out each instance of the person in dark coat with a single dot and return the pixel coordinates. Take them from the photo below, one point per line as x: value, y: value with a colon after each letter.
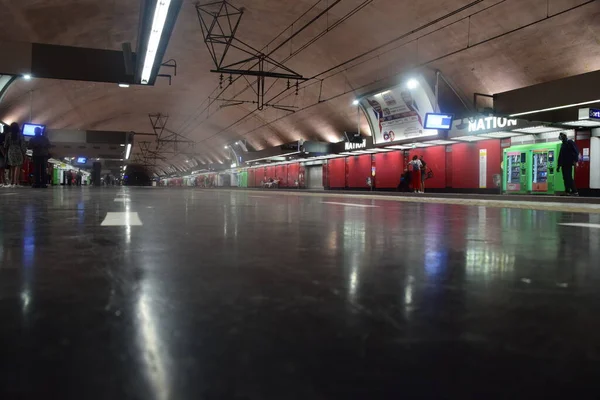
x: 40, y: 146
x: 567, y: 159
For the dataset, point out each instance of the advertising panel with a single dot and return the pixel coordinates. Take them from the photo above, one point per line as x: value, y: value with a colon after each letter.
x: 398, y: 114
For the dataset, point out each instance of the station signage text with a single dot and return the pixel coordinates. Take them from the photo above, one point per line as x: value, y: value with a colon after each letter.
x: 488, y: 123
x: 355, y: 146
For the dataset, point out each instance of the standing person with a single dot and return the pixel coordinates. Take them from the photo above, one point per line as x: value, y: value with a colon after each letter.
x: 423, y: 173
x: 69, y: 177
x: 15, y: 148
x: 567, y: 159
x: 2, y: 160
x: 79, y: 176
x: 415, y: 174
x: 40, y: 146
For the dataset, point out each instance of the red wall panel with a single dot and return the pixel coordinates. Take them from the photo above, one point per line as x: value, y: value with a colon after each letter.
x: 336, y: 173
x: 465, y: 163
x: 582, y: 171
x: 389, y: 167
x: 358, y: 169
x: 259, y: 176
x: 435, y: 157
x: 449, y: 179
x: 270, y: 172
x: 293, y: 171
x: 282, y: 174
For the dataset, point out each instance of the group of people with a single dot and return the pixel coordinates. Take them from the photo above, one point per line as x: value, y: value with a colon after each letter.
x: 416, y: 174
x: 13, y: 149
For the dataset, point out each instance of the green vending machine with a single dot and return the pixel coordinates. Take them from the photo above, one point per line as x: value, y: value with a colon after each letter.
x: 515, y: 166
x: 543, y: 177
x: 243, y: 179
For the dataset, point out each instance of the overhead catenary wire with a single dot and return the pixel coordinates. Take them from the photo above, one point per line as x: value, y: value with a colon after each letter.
x: 298, y: 51
x: 188, y: 122
x: 421, y: 65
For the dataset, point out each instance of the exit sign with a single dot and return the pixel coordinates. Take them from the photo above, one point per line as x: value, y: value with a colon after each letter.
x: 589, y: 113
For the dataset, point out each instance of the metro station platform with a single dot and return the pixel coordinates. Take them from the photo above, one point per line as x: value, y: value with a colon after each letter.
x: 154, y: 293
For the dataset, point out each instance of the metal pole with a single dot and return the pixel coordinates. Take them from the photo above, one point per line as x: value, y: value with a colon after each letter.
x: 437, y: 91
x: 30, y: 105
x: 358, y: 118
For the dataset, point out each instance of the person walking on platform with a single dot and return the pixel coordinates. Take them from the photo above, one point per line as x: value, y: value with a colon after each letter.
x: 567, y: 159
x: 79, y: 177
x: 40, y: 146
x: 415, y: 174
x: 15, y: 148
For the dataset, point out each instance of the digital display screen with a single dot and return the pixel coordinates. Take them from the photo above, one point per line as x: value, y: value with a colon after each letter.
x: 81, y: 160
x: 438, y: 121
x: 29, y: 129
x: 594, y: 113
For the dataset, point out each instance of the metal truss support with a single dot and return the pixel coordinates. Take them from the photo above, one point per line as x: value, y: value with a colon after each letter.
x: 166, y: 143
x: 220, y: 21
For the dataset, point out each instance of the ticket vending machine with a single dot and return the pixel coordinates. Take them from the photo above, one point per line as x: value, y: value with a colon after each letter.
x: 544, y: 179
x: 514, y: 179
x: 539, y: 172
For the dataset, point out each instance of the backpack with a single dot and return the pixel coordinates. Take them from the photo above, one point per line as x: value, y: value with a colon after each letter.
x: 574, y: 149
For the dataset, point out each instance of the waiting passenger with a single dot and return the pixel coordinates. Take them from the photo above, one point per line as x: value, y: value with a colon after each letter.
x: 15, y: 148
x: 415, y: 174
x: 567, y: 160
x: 40, y: 146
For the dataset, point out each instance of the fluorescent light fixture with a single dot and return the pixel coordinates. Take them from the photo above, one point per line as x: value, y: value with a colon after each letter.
x: 27, y: 77
x: 123, y: 85
x: 355, y: 102
x: 274, y: 157
x: 382, y: 93
x: 554, y: 108
x: 122, y: 145
x: 158, y: 23
x: 124, y: 167
x: 398, y: 147
x: 472, y: 138
x: 412, y: 84
x: 538, y: 129
x: 440, y: 142
x: 226, y: 147
x: 501, y: 135
x: 128, y: 151
x: 582, y: 123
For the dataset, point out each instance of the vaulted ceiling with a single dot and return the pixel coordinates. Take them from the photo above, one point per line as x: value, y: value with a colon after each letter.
x: 485, y: 46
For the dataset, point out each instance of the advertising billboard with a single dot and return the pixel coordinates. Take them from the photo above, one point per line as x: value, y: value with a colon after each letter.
x: 398, y: 114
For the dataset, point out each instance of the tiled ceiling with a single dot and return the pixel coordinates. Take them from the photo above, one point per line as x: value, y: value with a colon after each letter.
x: 504, y: 45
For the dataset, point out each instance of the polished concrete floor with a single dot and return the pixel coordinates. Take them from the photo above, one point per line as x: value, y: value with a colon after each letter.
x: 149, y: 293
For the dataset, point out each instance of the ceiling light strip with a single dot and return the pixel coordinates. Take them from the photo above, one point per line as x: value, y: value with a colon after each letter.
x: 554, y: 108
x: 158, y: 24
